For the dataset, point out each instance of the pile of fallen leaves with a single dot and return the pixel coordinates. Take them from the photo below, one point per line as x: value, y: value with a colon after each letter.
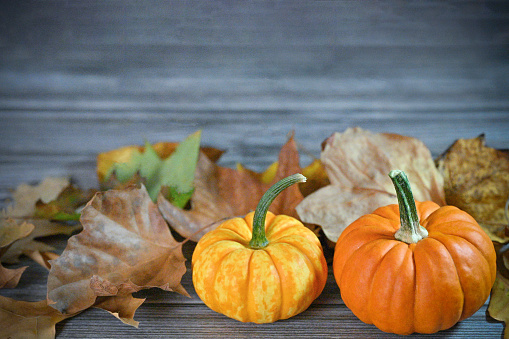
x: 125, y: 244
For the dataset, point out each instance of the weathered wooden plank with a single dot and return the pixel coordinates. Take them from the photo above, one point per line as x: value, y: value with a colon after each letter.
x: 170, y: 315
x: 34, y: 145
x: 192, y: 321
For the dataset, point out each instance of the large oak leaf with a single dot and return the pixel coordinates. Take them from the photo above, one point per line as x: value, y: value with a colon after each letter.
x: 477, y: 181
x: 357, y: 163
x: 125, y: 246
x: 222, y: 193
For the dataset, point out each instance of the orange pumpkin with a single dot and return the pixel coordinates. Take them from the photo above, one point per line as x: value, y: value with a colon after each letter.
x: 260, y: 268
x: 407, y: 276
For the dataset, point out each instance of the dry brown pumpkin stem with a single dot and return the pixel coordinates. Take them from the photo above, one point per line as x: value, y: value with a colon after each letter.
x: 410, y: 230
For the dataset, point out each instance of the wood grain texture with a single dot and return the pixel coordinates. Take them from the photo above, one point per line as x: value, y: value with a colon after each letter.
x: 82, y: 77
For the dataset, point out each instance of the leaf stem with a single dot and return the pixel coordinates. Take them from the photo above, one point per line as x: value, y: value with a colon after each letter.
x: 259, y: 239
x: 410, y: 230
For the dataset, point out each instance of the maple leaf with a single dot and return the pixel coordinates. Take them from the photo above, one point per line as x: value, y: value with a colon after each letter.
x: 499, y: 302
x: 222, y: 193
x: 106, y: 160
x: 125, y: 246
x: 23, y: 210
x: 498, y: 307
x: 477, y: 181
x: 122, y: 307
x: 357, y: 163
x: 10, y: 232
x: 64, y: 206
x: 314, y: 172
x: 29, y: 245
x: 172, y: 175
x: 22, y: 319
x: 42, y: 258
x: 18, y: 229
x: 26, y: 196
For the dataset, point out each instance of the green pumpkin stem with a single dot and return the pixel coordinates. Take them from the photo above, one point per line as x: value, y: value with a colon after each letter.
x: 410, y: 230
x: 259, y: 239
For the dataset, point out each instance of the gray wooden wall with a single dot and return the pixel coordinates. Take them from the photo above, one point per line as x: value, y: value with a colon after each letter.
x: 81, y: 77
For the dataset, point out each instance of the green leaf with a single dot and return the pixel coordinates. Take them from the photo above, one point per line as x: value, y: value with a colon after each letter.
x: 125, y: 171
x: 173, y: 176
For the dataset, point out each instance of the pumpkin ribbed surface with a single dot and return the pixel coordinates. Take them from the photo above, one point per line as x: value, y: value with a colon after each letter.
x: 422, y: 287
x: 259, y: 285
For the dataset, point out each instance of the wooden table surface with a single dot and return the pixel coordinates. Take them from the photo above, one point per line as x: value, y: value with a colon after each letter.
x: 79, y: 78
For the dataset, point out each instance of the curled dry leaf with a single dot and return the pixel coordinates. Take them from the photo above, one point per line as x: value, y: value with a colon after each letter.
x: 357, y: 163
x: 11, y: 231
x: 9, y: 277
x: 499, y: 301
x: 28, y: 245
x: 207, y: 206
x: 42, y: 258
x: 64, y: 207
x: 477, y: 181
x: 25, y: 320
x: 222, y: 193
x: 125, y: 246
x: 26, y: 196
x: 122, y: 307
x: 22, y: 212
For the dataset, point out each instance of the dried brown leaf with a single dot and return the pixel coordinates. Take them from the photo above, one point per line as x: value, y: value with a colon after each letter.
x: 21, y: 212
x: 357, y: 163
x: 121, y: 307
x: 477, y: 181
x: 9, y: 277
x: 25, y: 320
x: 499, y: 302
x: 65, y: 205
x: 10, y: 232
x: 125, y: 246
x: 222, y: 193
x: 207, y: 205
x: 42, y: 258
x: 25, y: 196
x: 29, y: 244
